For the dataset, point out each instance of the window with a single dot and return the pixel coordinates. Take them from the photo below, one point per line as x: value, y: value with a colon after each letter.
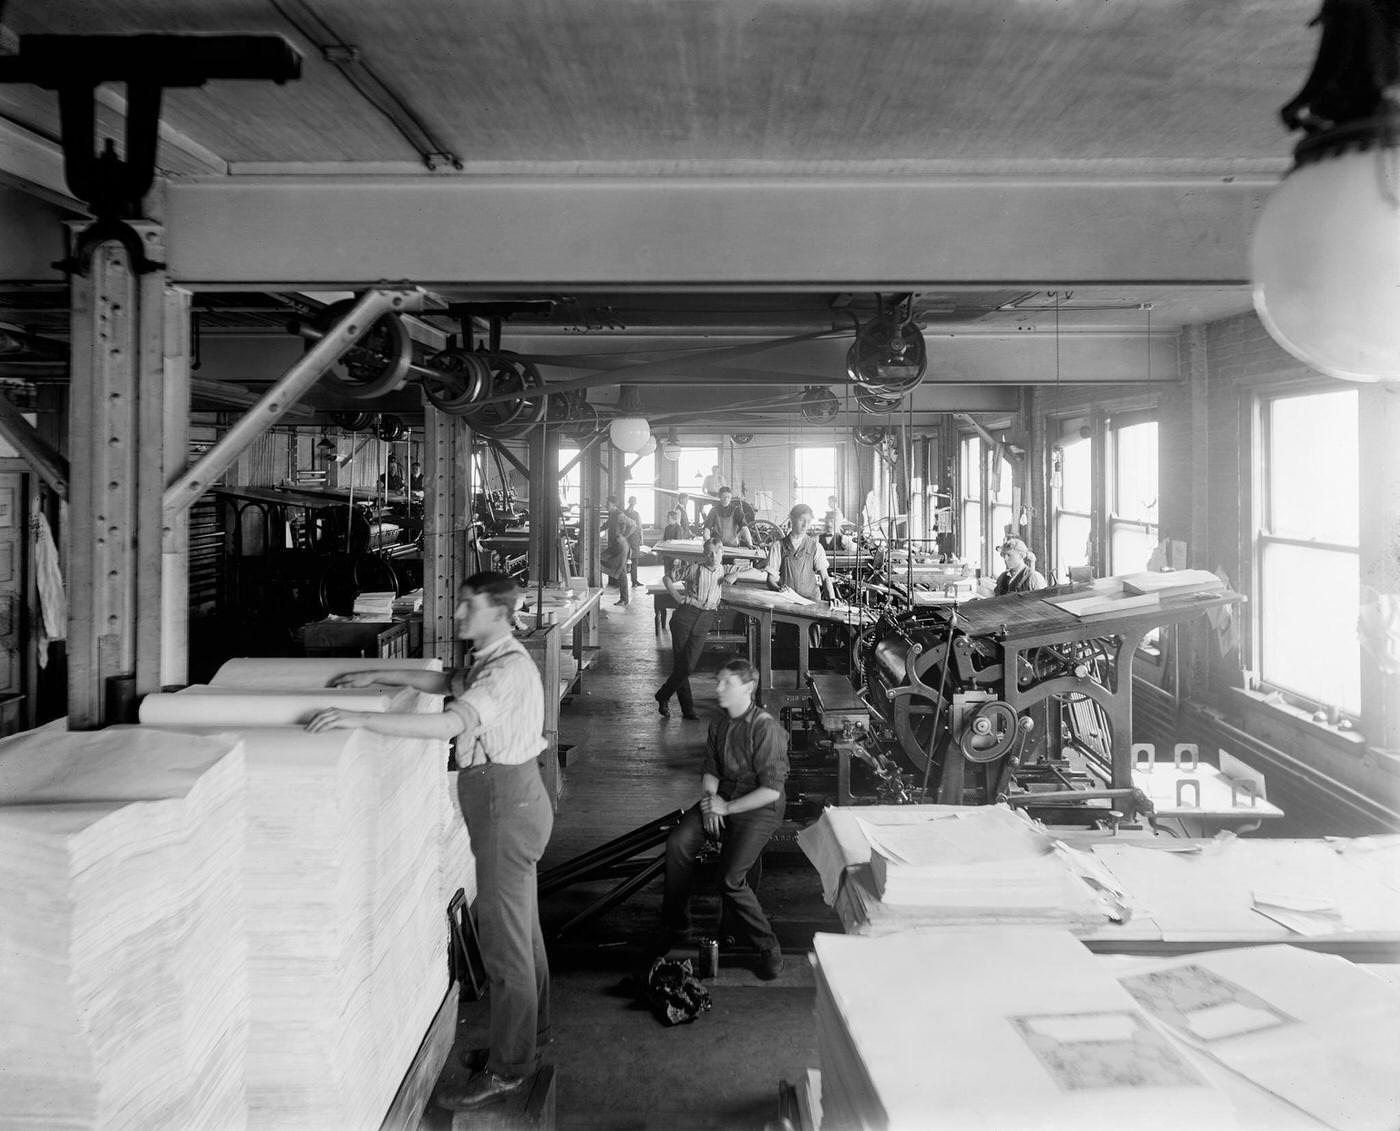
x: 692, y: 465
x: 641, y: 482
x: 1309, y: 559
x: 1132, y: 517
x: 1072, y: 484
x: 970, y: 487
x: 570, y: 481
x: 814, y: 476
x: 1001, y: 490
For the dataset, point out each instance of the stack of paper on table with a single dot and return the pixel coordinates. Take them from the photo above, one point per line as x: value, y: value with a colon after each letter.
x: 1105, y: 596
x: 1261, y: 890
x: 1313, y: 1030
x: 122, y: 943
x: 996, y: 1028
x: 1173, y: 583
x: 911, y: 866
x: 374, y: 606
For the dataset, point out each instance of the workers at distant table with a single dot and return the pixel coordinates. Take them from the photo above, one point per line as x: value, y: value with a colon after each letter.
x: 742, y: 786
x: 696, y: 593
x: 797, y: 561
x: 1020, y: 575
x: 495, y: 710
x: 727, y: 522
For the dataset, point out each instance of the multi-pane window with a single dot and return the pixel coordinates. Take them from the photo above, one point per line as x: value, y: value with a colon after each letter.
x: 1309, y: 557
x: 1072, y: 482
x: 1001, y: 490
x: 1132, y: 516
x: 970, y: 490
x: 692, y: 465
x: 641, y: 482
x: 814, y: 478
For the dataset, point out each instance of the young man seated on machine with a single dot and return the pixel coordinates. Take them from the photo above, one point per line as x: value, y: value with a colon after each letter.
x: 742, y: 798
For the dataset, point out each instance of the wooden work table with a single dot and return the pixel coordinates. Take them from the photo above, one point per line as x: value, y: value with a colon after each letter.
x: 570, y: 629
x: 765, y: 608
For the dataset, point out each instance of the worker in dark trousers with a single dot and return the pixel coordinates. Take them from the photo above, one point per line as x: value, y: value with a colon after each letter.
x: 697, y: 595
x: 742, y: 797
x: 495, y: 710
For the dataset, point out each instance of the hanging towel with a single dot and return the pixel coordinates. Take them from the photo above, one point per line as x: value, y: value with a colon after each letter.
x: 53, y: 602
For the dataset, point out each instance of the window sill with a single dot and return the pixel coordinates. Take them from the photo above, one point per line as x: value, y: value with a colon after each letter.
x: 1295, y: 718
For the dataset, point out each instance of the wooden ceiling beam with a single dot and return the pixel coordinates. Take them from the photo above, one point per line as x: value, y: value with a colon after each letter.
x: 883, y: 234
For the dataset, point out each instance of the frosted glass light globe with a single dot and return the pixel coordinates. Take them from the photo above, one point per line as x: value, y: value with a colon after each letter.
x: 1325, y: 260
x: 629, y: 433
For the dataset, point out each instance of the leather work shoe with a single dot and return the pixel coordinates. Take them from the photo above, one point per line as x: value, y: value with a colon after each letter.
x: 482, y: 1088
x: 662, y: 707
x: 770, y: 964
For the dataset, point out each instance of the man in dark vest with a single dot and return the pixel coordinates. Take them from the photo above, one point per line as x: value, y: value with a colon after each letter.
x: 797, y: 561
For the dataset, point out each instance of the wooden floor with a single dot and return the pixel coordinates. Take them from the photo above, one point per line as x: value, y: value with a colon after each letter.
x: 616, y: 1066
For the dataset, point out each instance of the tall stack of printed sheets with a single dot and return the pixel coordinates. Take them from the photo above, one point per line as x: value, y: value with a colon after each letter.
x: 345, y: 883
x: 122, y: 942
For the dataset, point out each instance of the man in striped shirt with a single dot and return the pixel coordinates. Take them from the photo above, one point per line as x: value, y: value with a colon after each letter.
x: 697, y: 597
x: 495, y: 710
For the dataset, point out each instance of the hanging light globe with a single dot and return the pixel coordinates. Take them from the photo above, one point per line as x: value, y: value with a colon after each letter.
x: 647, y: 448
x: 629, y: 433
x: 1325, y: 254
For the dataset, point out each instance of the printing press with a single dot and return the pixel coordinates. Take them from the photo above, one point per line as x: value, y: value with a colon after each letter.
x: 1025, y: 698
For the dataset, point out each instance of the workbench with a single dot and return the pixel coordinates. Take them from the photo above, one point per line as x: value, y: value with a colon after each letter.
x: 569, y: 628
x: 1184, y: 895
x: 765, y: 608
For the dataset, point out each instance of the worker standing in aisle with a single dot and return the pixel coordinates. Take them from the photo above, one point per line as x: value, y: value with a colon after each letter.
x: 495, y: 710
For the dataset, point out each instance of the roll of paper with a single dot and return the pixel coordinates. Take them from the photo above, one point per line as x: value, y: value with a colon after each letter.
x: 201, y: 705
x: 294, y: 673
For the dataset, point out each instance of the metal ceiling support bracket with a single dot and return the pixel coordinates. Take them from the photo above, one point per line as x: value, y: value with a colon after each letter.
x: 509, y: 456
x: 75, y: 65
x: 1011, y: 449
x: 46, y: 461
x: 284, y: 393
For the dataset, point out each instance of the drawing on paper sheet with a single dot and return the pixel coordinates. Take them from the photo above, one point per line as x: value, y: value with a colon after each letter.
x: 1201, y: 1005
x: 1104, y: 1050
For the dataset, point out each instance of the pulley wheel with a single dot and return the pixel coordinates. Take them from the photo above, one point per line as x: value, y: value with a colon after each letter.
x: 461, y: 379
x: 376, y: 364
x: 391, y: 428
x: 508, y: 419
x: 990, y: 732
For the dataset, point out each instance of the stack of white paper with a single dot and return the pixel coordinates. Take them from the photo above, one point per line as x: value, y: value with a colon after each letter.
x: 307, y: 674
x: 374, y: 606
x: 987, y: 864
x: 347, y: 931
x: 999, y: 1028
x: 1311, y: 1029
x: 122, y: 943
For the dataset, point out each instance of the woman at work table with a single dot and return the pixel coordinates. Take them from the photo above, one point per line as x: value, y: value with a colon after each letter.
x: 495, y: 710
x: 1020, y: 575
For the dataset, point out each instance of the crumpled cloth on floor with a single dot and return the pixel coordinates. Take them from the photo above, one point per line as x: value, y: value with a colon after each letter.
x: 673, y: 992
